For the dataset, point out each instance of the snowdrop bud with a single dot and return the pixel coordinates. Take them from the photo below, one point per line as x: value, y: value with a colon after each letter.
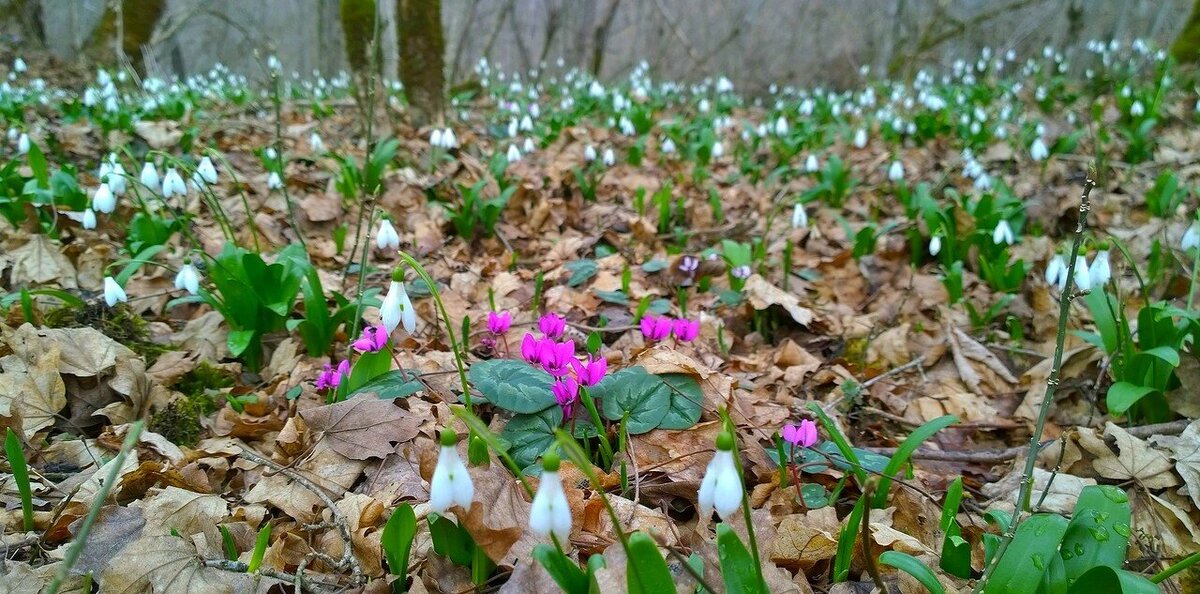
x: 116, y: 179
x: 528, y: 146
x: 23, y: 144
x: 1191, y: 237
x: 315, y: 142
x: 799, y: 216
x: 1056, y: 272
x: 935, y: 245
x: 1137, y: 110
x: 1038, y: 150
x: 89, y: 219
x: 188, y: 279
x: 1083, y: 280
x: 722, y: 487
x: 896, y: 172
x: 149, y: 176
x: 103, y: 200
x: 550, y: 513
x: 781, y: 126
x: 589, y: 153
x: 668, y: 146
x: 1003, y: 233
x: 435, y: 138
x: 718, y: 149
x: 105, y: 169
x: 811, y: 165
x: 513, y: 155
x: 451, y: 483
x: 449, y: 140
x: 704, y: 106
x: 387, y: 237
x: 860, y: 138
x: 1099, y: 272
x: 206, y: 170
x: 113, y: 293
x: 274, y: 182
x: 610, y: 158
x: 397, y: 308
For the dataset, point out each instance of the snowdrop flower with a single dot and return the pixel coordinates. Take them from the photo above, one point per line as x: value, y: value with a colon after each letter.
x: 722, y: 487
x: 89, y: 219
x: 149, y: 176
x: 718, y: 149
x: 513, y: 154
x: 781, y: 126
x: 528, y: 146
x: 799, y: 216
x: 435, y: 138
x: 207, y: 171
x: 804, y: 435
x: 610, y: 159
x: 397, y: 308
x: 1083, y: 280
x: 1099, y: 272
x: 172, y: 184
x: 811, y: 165
x: 704, y: 106
x: 113, y: 293
x: 116, y: 179
x: 1191, y: 237
x: 1003, y: 233
x: 103, y: 200
x: 451, y: 484
x: 896, y: 172
x: 526, y: 124
x: 449, y: 140
x: 935, y: 245
x: 23, y: 144
x: 550, y: 513
x: 270, y: 153
x: 1038, y: 150
x: 860, y: 138
x: 387, y: 237
x: 589, y: 153
x: 512, y: 127
x: 273, y: 181
x: 1137, y: 110
x: 668, y: 146
x: 315, y: 142
x: 19, y: 66
x: 1056, y: 272
x: 188, y: 279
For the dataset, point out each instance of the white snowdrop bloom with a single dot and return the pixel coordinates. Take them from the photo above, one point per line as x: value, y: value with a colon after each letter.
x: 668, y: 146
x: 718, y: 149
x: 188, y: 279
x: 722, y: 487
x: 23, y: 144
x: 103, y: 200
x: 1137, y: 110
x: 113, y: 293
x: 781, y: 126
x: 799, y: 216
x: 1038, y: 150
x: 172, y: 184
x: 528, y: 147
x: 397, y: 308
x: 535, y: 110
x: 1056, y: 272
x: 1191, y: 237
x: 271, y: 154
x: 589, y: 153
x: 724, y: 85
x: 1003, y: 233
x: 512, y: 128
x: 1083, y: 279
x: 451, y: 483
x: 19, y: 66
x: 811, y: 165
x: 315, y: 143
x: 435, y: 138
x: 610, y: 158
x: 274, y: 182
x: 149, y: 176
x: 207, y: 171
x: 116, y: 179
x: 12, y: 134
x: 514, y: 154
x: 105, y: 169
x: 935, y: 245
x: 449, y: 140
x: 89, y: 219
x: 1100, y: 271
x: 273, y: 63
x: 806, y: 107
x: 526, y: 124
x: 550, y: 513
x: 704, y: 106
x: 896, y: 172
x: 386, y: 236
x: 860, y: 138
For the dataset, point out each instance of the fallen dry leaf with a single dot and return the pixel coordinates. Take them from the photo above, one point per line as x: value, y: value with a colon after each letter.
x: 1136, y: 460
x: 362, y: 427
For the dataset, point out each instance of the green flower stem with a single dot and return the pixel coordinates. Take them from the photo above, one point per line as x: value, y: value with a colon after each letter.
x: 606, y: 452
x: 277, y: 103
x: 254, y: 230
x: 1187, y: 562
x: 476, y: 426
x: 737, y: 462
x: 362, y: 278
x: 437, y: 298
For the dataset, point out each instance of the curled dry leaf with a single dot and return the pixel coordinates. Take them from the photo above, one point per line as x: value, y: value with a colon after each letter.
x: 762, y: 295
x: 167, y: 563
x: 31, y: 388
x: 113, y: 530
x: 965, y: 350
x: 40, y: 262
x: 1136, y: 460
x: 325, y: 468
x: 1185, y: 449
x: 362, y: 427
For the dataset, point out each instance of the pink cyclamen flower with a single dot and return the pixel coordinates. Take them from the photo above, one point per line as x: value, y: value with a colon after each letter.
x: 590, y: 373
x: 556, y: 357
x: 552, y: 325
x: 685, y: 330
x: 373, y: 339
x: 656, y: 327
x: 330, y: 377
x: 804, y: 435
x: 530, y: 346
x: 566, y: 394
x: 499, y: 322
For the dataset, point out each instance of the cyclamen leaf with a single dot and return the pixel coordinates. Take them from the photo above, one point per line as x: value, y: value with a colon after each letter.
x: 513, y: 385
x: 635, y: 391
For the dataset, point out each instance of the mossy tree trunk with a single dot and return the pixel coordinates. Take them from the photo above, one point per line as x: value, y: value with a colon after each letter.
x: 1187, y: 46
x: 138, y: 19
x: 422, y: 57
x: 358, y: 28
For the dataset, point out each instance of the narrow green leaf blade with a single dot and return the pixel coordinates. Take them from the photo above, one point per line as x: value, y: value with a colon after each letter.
x: 914, y: 567
x: 1028, y: 556
x: 737, y: 566
x: 566, y: 573
x: 397, y: 540
x: 648, y: 572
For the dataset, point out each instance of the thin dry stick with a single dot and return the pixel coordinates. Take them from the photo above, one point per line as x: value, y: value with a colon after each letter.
x: 239, y: 567
x: 1064, y: 309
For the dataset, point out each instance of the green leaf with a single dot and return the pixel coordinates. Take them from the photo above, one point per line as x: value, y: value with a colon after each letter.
x: 1098, y: 534
x: 394, y: 384
x: 846, y: 539
x: 1166, y: 354
x: 566, y: 573
x: 1106, y: 580
x: 905, y: 451
x: 1123, y: 395
x: 513, y: 385
x: 617, y: 297
x: 20, y: 472
x: 737, y: 566
x: 230, y: 546
x: 131, y: 267
x: 914, y: 567
x: 260, y: 547
x: 635, y: 391
x: 450, y: 540
x: 367, y: 367
x: 686, y: 401
x: 840, y: 442
x: 581, y: 271
x: 1028, y: 555
x: 37, y: 163
x: 529, y: 436
x: 648, y: 572
x: 397, y: 544
x: 956, y: 551
x: 655, y: 265
x: 240, y: 340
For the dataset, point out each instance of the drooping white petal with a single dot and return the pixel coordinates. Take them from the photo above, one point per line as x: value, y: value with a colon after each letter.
x: 103, y: 200
x: 727, y: 489
x: 1099, y: 272
x: 799, y: 216
x: 113, y: 293
x: 935, y: 245
x: 387, y: 237
x: 89, y: 219
x: 1083, y: 280
x: 451, y: 483
x: 896, y: 172
x: 550, y: 513
x: 207, y: 171
x: 149, y: 176
x: 188, y: 279
x: 1191, y: 237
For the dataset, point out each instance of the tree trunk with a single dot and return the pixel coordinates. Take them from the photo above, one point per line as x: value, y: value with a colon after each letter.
x: 358, y: 28
x: 1187, y: 46
x: 422, y: 57
x: 138, y: 18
